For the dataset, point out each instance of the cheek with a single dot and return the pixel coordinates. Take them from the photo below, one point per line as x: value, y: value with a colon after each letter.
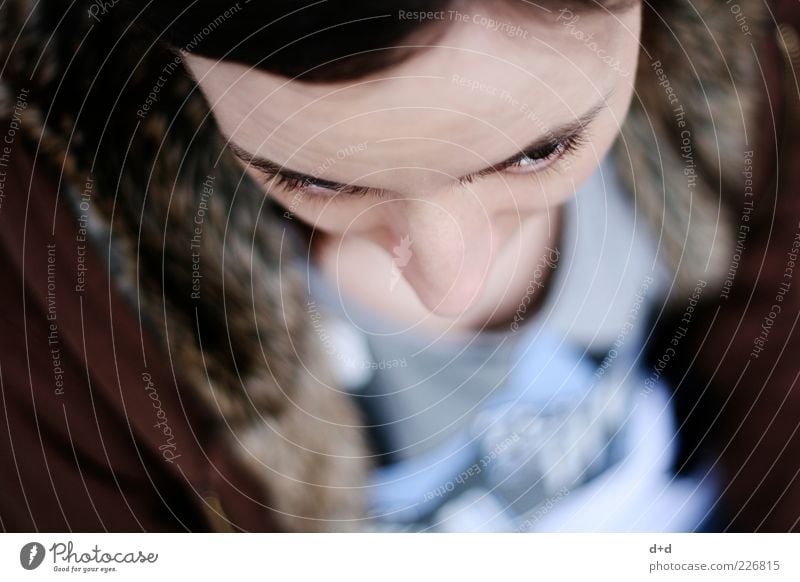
x: 554, y: 187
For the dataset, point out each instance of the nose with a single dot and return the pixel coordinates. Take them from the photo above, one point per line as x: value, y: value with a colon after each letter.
x: 444, y: 250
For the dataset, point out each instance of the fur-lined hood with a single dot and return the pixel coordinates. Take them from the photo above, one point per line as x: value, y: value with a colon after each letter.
x: 234, y: 322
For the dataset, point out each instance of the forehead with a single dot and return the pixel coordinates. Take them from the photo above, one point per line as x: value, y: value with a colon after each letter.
x: 487, y: 86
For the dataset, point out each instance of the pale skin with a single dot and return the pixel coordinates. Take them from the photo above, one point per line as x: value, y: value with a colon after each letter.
x: 422, y: 246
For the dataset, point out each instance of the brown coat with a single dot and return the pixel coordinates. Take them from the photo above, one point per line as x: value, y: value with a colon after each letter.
x: 112, y: 446
x: 736, y: 384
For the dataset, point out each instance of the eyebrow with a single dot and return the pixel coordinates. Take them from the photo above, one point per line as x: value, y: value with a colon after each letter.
x: 564, y: 132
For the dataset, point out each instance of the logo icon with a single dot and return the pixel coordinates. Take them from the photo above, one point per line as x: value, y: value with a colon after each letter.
x: 402, y: 256
x: 31, y: 555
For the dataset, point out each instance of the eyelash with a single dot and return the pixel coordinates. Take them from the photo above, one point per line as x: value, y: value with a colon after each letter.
x: 551, y: 153
x: 292, y: 185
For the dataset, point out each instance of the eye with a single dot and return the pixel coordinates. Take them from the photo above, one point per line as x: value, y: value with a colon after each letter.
x: 530, y: 162
x: 316, y: 188
x: 536, y: 160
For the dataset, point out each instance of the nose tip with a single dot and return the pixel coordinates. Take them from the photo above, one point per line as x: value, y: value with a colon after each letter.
x: 446, y: 267
x: 446, y: 296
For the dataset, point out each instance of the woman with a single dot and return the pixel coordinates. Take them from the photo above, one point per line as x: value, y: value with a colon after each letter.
x: 210, y: 182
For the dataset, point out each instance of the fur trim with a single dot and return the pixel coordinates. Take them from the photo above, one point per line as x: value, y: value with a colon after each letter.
x: 681, y: 153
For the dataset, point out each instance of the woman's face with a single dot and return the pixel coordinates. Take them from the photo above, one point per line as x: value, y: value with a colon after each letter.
x: 448, y: 154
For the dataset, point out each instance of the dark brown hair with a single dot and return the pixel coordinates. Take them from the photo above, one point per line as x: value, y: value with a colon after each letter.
x: 320, y: 40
